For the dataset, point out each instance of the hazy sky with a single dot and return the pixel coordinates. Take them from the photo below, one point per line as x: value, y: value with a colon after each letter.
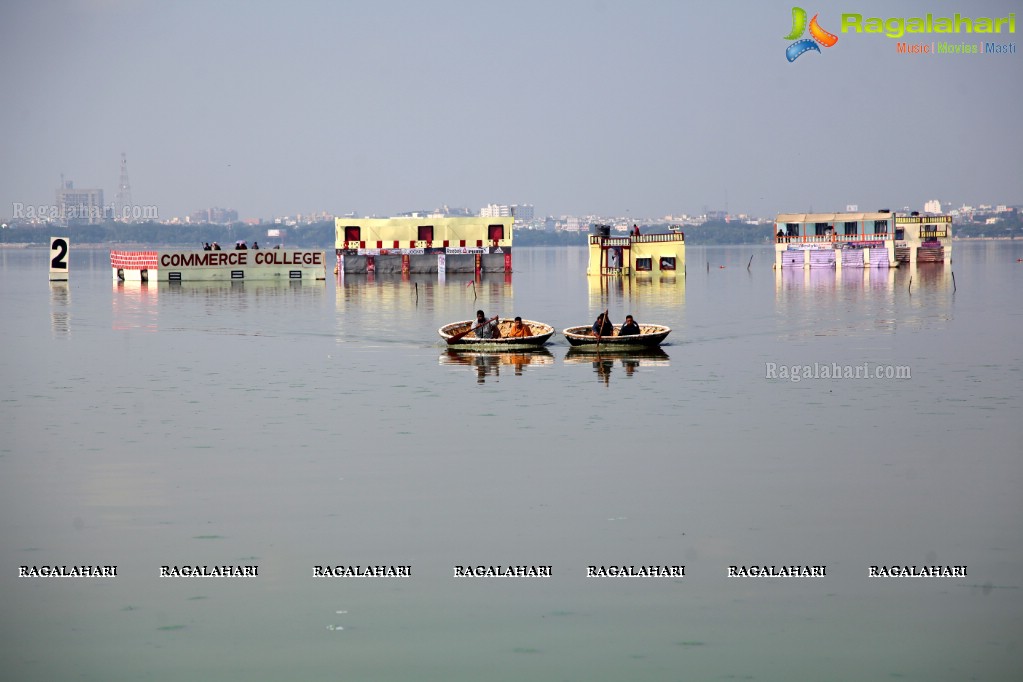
x: 594, y: 106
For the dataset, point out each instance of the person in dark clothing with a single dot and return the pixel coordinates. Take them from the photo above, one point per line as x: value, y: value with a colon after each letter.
x: 603, y: 326
x: 630, y: 328
x: 483, y: 328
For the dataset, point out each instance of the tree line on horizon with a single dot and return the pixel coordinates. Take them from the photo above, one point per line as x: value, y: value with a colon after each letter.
x: 320, y: 235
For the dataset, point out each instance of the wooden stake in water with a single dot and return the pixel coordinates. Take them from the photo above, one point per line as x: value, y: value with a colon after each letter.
x: 750, y: 262
x: 953, y: 281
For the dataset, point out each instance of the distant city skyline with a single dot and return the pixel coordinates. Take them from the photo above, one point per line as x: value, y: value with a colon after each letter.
x: 646, y: 108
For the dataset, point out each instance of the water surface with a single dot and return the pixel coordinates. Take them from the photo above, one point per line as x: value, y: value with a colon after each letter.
x: 324, y: 423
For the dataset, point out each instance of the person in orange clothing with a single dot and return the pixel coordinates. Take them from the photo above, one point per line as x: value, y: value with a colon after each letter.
x: 519, y: 330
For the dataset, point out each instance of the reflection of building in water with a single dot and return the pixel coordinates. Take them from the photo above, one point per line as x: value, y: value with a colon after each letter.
x: 405, y: 296
x: 60, y: 307
x: 816, y: 301
x: 489, y: 364
x: 642, y: 255
x: 620, y: 294
x: 861, y: 240
x: 134, y: 306
x: 135, y: 303
x: 433, y: 244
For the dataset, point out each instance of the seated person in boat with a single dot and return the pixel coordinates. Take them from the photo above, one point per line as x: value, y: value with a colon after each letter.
x: 603, y: 326
x: 483, y: 328
x: 519, y: 330
x: 630, y: 328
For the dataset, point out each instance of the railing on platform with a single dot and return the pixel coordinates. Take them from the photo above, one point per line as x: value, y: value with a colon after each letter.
x: 637, y: 239
x: 830, y: 238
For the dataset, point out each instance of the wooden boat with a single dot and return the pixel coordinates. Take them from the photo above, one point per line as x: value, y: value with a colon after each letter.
x: 541, y: 334
x: 583, y: 338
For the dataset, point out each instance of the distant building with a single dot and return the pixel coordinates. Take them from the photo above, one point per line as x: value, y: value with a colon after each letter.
x: 522, y: 213
x: 79, y: 206
x: 573, y: 224
x: 933, y: 206
x: 217, y: 216
x: 453, y: 211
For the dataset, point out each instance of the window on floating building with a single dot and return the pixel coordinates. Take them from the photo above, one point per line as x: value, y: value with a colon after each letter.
x: 353, y: 233
x: 425, y: 233
x: 880, y: 227
x: 851, y: 228
x: 667, y: 263
x: 495, y: 233
x: 644, y: 264
x: 792, y: 229
x: 820, y: 229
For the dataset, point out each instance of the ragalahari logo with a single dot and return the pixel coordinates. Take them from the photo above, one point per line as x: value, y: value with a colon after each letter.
x: 818, y: 34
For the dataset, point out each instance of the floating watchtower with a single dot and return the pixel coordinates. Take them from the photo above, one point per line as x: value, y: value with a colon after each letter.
x: 636, y: 254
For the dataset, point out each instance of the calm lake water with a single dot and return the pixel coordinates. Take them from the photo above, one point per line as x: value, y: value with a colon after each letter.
x: 290, y: 426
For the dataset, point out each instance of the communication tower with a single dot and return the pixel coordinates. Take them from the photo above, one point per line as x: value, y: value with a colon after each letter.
x: 123, y: 203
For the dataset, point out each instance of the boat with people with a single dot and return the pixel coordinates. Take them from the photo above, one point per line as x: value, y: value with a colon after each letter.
x: 584, y: 338
x: 459, y: 335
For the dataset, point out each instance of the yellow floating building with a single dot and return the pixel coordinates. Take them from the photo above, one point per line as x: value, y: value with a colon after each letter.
x: 423, y: 244
x: 636, y: 254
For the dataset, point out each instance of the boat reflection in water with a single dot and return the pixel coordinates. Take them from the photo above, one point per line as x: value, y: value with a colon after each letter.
x: 630, y: 360
x: 489, y: 363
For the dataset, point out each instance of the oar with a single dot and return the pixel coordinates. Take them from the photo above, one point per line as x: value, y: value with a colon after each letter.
x: 455, y: 337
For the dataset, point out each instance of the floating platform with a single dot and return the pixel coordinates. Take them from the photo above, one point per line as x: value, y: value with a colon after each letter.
x: 238, y: 265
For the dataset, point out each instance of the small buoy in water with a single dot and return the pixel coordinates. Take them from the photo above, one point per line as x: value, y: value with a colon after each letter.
x: 721, y: 267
